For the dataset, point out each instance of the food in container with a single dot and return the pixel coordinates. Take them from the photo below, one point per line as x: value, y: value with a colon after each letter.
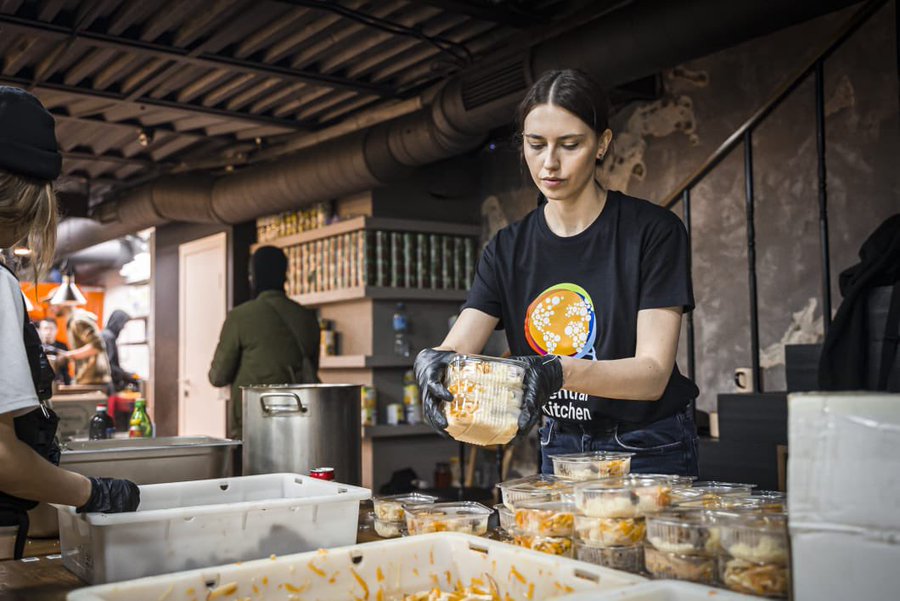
x: 676, y: 480
x: 390, y: 508
x: 465, y: 517
x: 545, y: 518
x: 627, y: 497
x: 629, y: 559
x: 389, y: 529
x: 609, y: 532
x: 694, y: 568
x: 541, y: 487
x: 592, y: 466
x: 507, y: 517
x: 684, y: 532
x: 487, y: 398
x: 711, y: 495
x: 554, y: 545
x: 767, y: 500
x: 763, y: 579
x: 756, y: 537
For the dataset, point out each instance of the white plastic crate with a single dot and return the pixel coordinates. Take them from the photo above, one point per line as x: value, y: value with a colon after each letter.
x: 185, y: 525
x: 382, y: 570
x: 663, y: 590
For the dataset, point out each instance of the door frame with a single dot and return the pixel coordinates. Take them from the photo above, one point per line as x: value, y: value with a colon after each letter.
x: 217, y: 241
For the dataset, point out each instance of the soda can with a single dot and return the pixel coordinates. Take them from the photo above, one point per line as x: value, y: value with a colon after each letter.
x: 322, y: 473
x: 327, y: 343
x: 395, y: 414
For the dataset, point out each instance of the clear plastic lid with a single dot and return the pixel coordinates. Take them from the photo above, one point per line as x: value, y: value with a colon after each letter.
x: 390, y: 508
x: 591, y: 466
x: 630, y: 496
x: 540, y: 487
x: 464, y: 516
x: 724, y: 488
x: 676, y: 480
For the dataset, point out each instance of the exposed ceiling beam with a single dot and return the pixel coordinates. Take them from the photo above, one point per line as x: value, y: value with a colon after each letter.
x: 185, y: 108
x: 149, y: 163
x: 184, y: 56
x: 483, y: 12
x: 134, y: 125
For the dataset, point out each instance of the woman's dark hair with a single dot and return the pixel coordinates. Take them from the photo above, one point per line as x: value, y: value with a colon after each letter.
x: 572, y: 90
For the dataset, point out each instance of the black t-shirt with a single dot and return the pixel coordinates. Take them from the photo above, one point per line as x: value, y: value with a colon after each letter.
x: 579, y: 296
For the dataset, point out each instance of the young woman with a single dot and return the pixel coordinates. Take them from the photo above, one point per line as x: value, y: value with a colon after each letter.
x: 29, y: 162
x: 590, y: 288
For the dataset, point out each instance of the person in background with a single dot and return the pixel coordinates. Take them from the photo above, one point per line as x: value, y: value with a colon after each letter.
x: 48, y: 329
x: 110, y: 334
x: 29, y: 453
x: 267, y: 340
x: 88, y: 350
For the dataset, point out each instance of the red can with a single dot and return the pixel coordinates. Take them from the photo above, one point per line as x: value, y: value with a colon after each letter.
x: 322, y: 473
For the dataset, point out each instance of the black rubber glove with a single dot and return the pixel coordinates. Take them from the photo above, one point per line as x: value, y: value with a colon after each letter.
x: 543, y: 377
x: 431, y: 366
x: 109, y: 495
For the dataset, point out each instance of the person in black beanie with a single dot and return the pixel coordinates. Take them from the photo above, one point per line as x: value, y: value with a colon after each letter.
x: 29, y: 455
x: 268, y: 340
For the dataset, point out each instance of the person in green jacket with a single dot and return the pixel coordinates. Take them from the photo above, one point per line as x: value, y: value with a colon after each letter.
x: 267, y: 340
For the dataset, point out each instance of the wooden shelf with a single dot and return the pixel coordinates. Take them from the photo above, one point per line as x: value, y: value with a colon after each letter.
x: 364, y: 361
x: 401, y: 431
x: 374, y: 223
x: 379, y: 293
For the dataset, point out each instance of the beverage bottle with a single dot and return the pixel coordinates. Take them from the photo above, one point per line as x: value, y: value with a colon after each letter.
x: 401, y: 329
x: 102, y: 425
x: 411, y: 404
x: 141, y: 420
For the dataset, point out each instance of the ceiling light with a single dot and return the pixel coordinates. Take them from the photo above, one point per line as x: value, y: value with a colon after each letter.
x: 68, y: 293
x: 145, y: 136
x: 21, y: 251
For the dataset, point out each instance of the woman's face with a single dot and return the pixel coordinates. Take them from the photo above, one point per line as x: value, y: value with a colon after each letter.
x: 561, y: 151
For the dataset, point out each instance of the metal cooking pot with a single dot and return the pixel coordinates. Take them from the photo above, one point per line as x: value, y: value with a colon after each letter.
x: 294, y: 428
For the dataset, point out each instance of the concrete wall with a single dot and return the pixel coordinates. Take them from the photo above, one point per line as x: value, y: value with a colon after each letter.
x: 659, y: 143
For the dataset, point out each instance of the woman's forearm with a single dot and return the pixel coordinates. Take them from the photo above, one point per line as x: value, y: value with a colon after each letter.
x: 633, y: 379
x: 85, y: 352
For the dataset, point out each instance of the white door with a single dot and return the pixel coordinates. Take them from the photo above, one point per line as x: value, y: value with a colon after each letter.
x: 201, y: 312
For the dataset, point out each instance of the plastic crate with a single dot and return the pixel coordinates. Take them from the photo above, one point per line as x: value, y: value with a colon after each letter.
x: 380, y: 570
x: 185, y: 525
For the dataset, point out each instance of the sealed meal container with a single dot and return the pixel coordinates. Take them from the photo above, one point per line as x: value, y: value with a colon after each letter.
x: 631, y: 496
x: 465, y: 517
x: 487, y: 398
x: 553, y: 545
x: 389, y: 529
x: 756, y: 537
x: 209, y: 522
x: 389, y: 569
x: 609, y: 532
x: 677, y: 481
x: 762, y: 579
x: 693, y: 568
x: 592, y: 466
x: 627, y: 559
x: 390, y: 508
x: 545, y: 518
x: 684, y: 532
x: 540, y: 487
x: 507, y: 517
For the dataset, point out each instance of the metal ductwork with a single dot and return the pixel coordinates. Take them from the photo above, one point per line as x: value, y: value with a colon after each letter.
x: 639, y: 39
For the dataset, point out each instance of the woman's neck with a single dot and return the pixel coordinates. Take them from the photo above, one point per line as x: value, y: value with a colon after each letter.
x: 571, y: 217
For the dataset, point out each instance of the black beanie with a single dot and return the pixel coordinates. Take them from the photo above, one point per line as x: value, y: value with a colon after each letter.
x: 268, y: 267
x: 27, y: 136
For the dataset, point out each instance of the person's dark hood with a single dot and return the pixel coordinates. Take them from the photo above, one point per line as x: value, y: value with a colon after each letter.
x: 117, y: 321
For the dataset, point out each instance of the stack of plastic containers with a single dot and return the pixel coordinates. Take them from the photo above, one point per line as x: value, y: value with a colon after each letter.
x: 487, y: 399
x: 390, y: 512
x: 465, y: 517
x: 683, y: 544
x: 611, y: 525
x: 546, y: 526
x: 754, y: 556
x: 526, y: 491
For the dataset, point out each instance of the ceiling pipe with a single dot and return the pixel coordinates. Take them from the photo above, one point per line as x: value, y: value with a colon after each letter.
x: 640, y: 39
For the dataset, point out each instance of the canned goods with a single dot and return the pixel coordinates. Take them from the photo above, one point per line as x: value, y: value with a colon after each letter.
x: 395, y: 414
x: 368, y: 406
x: 413, y: 414
x: 322, y: 473
x: 327, y: 340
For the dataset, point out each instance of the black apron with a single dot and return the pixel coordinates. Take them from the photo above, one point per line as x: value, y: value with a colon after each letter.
x: 36, y: 428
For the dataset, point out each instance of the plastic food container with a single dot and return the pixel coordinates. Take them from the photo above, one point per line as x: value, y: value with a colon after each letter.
x: 763, y: 579
x: 540, y: 487
x: 389, y: 529
x: 545, y: 518
x: 208, y: 523
x: 609, y: 532
x: 724, y: 489
x: 388, y: 569
x: 487, y: 398
x: 465, y: 517
x: 756, y: 537
x: 390, y: 508
x: 553, y: 545
x: 684, y: 532
x: 676, y: 480
x: 693, y: 568
x: 507, y: 517
x: 592, y: 466
x: 628, y: 559
x: 628, y: 497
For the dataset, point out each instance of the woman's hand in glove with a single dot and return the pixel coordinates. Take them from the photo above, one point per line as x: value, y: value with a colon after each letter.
x: 543, y: 378
x: 431, y: 365
x: 109, y: 495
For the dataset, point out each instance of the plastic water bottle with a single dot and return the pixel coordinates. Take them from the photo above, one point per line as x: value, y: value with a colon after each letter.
x: 401, y: 329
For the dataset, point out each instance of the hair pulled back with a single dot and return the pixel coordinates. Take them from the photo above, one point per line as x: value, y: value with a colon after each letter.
x: 572, y: 90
